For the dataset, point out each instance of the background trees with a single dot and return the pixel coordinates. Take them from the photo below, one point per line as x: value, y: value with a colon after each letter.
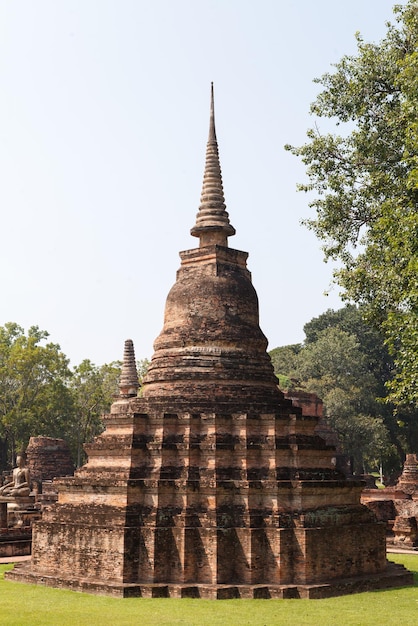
x: 92, y: 389
x: 34, y: 397
x: 343, y: 359
x: 41, y: 395
x: 366, y: 184
x: 346, y: 363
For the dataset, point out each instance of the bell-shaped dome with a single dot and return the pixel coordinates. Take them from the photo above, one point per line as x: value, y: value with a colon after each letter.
x: 211, y: 346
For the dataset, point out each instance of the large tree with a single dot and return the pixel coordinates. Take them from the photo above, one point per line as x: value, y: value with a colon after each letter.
x: 345, y: 362
x: 336, y: 369
x: 92, y: 389
x: 40, y: 395
x: 284, y: 360
x: 366, y: 184
x: 34, y: 398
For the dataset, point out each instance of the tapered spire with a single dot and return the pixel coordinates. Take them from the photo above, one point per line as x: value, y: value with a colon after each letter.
x: 212, y: 221
x: 128, y: 382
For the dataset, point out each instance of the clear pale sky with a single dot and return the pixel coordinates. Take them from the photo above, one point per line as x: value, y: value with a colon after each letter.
x: 104, y: 114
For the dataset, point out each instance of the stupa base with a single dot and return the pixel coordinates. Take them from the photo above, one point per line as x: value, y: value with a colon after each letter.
x: 394, y: 576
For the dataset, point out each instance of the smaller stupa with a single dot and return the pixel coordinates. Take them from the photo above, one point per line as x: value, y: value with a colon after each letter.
x: 408, y: 480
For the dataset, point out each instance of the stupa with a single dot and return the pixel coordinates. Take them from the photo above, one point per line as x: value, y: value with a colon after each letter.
x: 210, y: 484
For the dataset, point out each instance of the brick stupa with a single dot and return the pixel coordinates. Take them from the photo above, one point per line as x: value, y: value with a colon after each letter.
x: 211, y: 484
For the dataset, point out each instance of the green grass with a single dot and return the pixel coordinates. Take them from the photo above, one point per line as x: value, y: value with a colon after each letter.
x: 32, y: 605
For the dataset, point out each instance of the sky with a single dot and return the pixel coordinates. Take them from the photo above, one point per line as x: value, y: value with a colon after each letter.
x: 104, y: 115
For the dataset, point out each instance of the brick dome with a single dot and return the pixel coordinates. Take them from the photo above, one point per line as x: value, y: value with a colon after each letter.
x: 211, y: 345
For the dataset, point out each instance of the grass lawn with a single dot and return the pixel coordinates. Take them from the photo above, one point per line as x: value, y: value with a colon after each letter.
x: 32, y: 605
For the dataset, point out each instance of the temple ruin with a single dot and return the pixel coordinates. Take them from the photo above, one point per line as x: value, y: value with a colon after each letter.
x: 21, y: 505
x: 397, y: 506
x: 210, y: 483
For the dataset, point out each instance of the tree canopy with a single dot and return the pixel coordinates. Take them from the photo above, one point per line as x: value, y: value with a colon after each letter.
x: 92, y: 389
x: 365, y: 180
x: 34, y: 397
x: 346, y: 363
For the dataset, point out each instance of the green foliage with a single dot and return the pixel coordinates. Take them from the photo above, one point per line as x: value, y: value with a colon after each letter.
x: 335, y: 368
x: 34, y: 398
x: 366, y: 184
x: 141, y: 368
x: 345, y: 362
x: 284, y: 381
x: 284, y: 360
x: 43, y: 606
x: 40, y: 395
x: 402, y: 424
x: 350, y: 319
x: 92, y: 389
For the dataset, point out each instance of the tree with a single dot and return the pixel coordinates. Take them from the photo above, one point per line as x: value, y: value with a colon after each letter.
x: 142, y: 367
x: 284, y: 360
x: 92, y: 389
x: 371, y: 342
x: 379, y: 364
x: 345, y: 362
x: 366, y: 184
x: 40, y: 395
x: 335, y: 368
x: 34, y: 398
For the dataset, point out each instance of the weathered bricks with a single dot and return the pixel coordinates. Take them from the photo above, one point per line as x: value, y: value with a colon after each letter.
x: 48, y: 458
x: 212, y: 484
